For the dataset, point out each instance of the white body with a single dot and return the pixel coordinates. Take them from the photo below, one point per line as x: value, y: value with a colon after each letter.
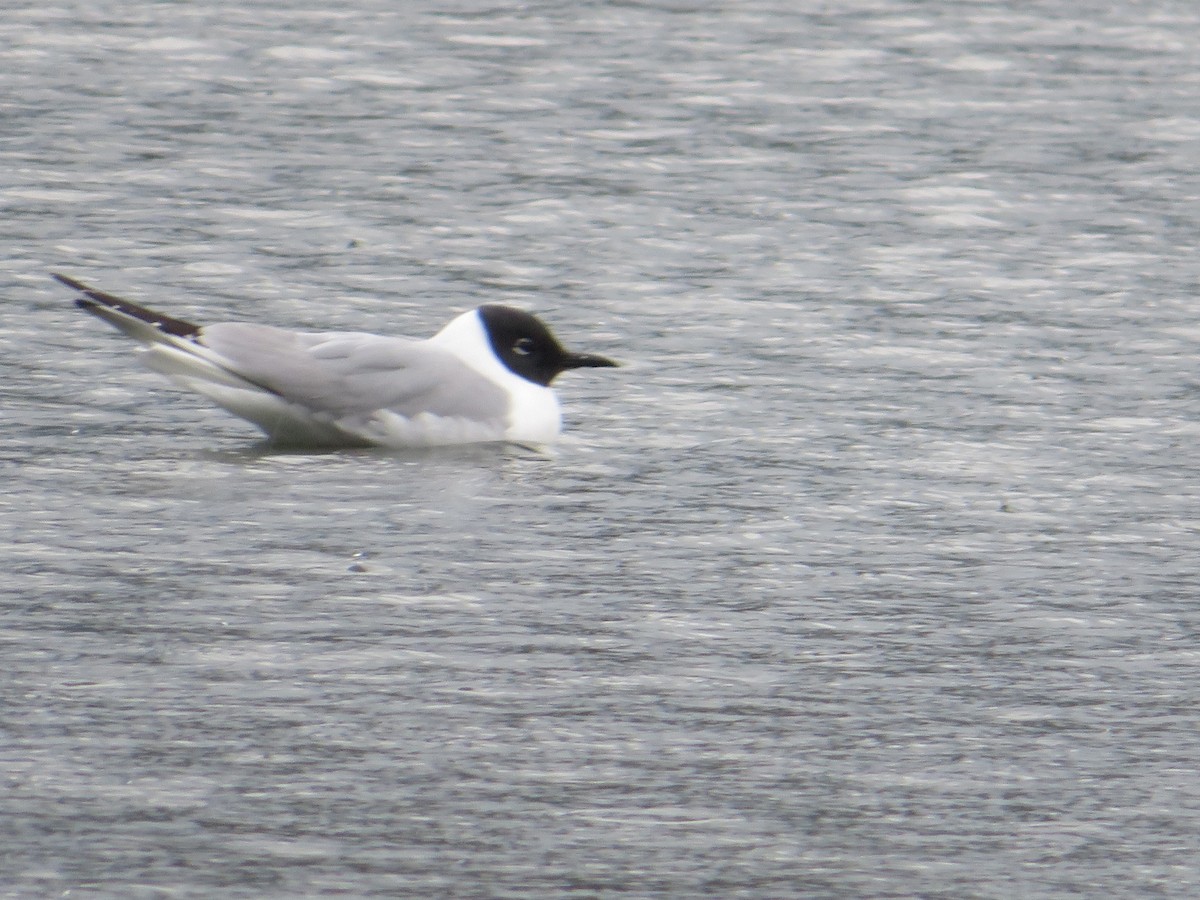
x: 347, y: 389
x: 534, y: 414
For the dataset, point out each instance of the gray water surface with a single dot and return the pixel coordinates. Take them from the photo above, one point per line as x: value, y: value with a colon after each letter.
x: 872, y: 574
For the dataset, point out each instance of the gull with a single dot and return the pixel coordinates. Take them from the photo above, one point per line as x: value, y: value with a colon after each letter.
x: 484, y: 377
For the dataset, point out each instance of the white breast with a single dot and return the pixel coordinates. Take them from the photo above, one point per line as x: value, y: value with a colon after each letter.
x: 533, y: 411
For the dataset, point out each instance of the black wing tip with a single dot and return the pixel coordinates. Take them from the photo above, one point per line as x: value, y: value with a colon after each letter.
x: 93, y: 300
x: 90, y: 293
x: 69, y: 282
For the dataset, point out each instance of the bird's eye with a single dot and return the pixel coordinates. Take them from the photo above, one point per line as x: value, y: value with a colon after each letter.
x: 523, y: 347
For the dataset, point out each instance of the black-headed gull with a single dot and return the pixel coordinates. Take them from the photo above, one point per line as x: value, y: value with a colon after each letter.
x: 484, y: 377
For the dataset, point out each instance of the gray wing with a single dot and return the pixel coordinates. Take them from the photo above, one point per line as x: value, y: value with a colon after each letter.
x: 351, y: 374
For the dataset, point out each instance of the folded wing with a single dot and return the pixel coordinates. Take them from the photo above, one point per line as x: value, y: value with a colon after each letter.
x: 347, y: 374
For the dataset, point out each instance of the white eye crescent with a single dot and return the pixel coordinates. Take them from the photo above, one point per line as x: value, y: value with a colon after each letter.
x: 523, y: 347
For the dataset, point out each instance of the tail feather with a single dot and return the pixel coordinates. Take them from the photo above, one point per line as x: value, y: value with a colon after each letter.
x: 136, y: 321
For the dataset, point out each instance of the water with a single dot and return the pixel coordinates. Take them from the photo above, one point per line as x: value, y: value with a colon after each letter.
x: 872, y: 573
